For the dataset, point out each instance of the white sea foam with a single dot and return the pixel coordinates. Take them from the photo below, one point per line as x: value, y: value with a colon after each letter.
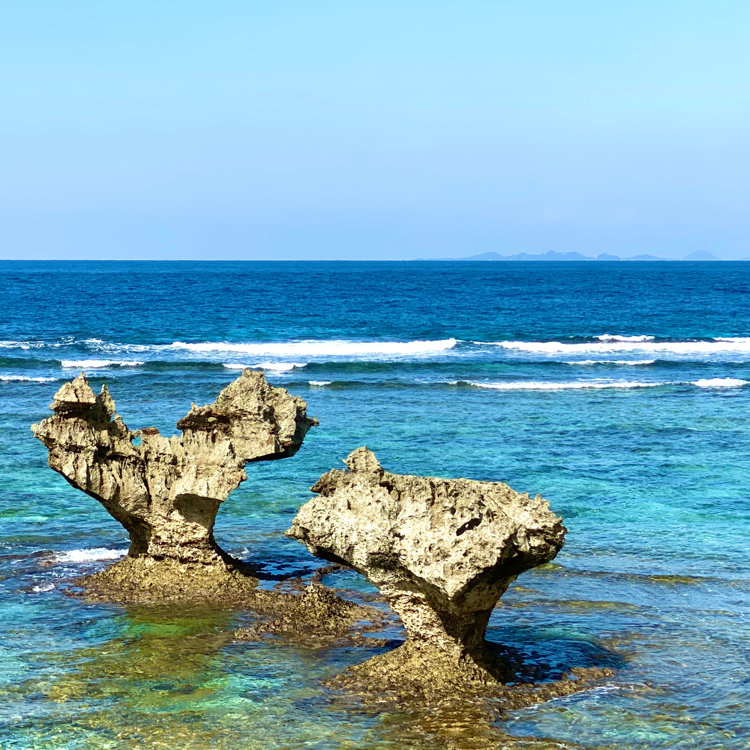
x: 43, y: 588
x: 98, y: 364
x: 24, y: 379
x: 326, y: 348
x: 15, y: 345
x: 630, y: 339
x: 663, y: 348
x: 720, y: 383
x: 90, y: 555
x: 575, y: 385
x: 99, y: 345
x: 623, y: 362
x: 10, y: 344
x: 319, y: 383
x: 270, y: 366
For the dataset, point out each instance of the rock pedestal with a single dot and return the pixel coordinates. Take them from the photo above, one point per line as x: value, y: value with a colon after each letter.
x: 166, y: 491
x: 441, y: 551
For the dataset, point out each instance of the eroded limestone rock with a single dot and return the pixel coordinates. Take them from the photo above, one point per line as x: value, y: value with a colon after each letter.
x: 166, y: 491
x: 441, y: 551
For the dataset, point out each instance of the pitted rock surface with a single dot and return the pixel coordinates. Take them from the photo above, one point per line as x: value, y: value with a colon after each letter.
x: 166, y: 491
x: 441, y: 551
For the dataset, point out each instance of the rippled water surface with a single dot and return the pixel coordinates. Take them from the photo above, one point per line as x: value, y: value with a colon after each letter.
x: 620, y: 392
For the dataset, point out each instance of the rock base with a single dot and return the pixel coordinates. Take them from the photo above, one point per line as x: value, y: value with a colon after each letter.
x: 150, y: 580
x: 414, y: 674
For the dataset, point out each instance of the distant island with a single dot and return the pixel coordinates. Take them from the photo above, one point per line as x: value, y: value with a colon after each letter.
x: 553, y: 255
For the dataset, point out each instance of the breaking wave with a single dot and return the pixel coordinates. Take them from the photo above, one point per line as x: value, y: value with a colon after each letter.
x: 271, y: 366
x: 24, y: 379
x: 720, y: 383
x: 630, y: 339
x: 327, y: 348
x: 98, y: 364
x: 43, y: 588
x: 22, y: 344
x: 575, y: 385
x: 622, y: 362
x: 679, y: 348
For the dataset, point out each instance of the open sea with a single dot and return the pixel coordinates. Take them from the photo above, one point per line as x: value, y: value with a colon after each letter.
x: 618, y: 391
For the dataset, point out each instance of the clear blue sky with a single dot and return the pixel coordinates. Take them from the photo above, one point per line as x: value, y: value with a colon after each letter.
x: 373, y: 129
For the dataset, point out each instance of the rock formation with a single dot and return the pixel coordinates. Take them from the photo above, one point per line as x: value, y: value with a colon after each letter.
x: 441, y: 551
x: 166, y: 491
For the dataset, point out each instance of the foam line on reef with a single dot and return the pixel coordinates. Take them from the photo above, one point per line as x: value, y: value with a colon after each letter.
x: 24, y: 379
x: 9, y: 344
x: 324, y: 348
x: 576, y: 385
x: 681, y: 348
x: 539, y: 385
x: 271, y: 366
x: 98, y: 364
x: 617, y: 337
x: 720, y: 383
x: 619, y: 362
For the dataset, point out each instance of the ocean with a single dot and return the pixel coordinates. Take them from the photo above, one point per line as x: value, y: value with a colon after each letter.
x: 618, y: 391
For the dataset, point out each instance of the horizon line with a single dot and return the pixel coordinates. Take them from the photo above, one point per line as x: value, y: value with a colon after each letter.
x: 361, y: 260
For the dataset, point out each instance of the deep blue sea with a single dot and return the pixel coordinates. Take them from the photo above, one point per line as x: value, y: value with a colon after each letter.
x: 619, y: 391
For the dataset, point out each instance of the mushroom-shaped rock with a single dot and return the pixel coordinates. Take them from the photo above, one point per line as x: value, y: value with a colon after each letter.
x: 166, y: 491
x: 441, y: 551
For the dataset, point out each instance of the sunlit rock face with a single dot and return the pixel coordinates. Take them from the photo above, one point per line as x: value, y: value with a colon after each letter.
x: 166, y: 491
x: 441, y: 551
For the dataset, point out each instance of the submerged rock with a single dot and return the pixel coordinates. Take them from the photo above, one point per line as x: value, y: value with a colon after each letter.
x: 441, y: 551
x: 166, y: 491
x: 317, y: 617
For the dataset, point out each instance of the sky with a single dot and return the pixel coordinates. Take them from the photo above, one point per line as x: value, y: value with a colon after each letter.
x: 373, y: 129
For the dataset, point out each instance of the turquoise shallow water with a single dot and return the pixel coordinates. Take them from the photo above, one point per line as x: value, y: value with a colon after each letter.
x: 618, y: 391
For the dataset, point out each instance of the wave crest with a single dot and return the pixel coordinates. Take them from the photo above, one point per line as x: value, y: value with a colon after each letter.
x: 720, y: 383
x: 24, y: 379
x: 320, y: 348
x: 629, y: 339
x: 270, y: 366
x: 622, y: 362
x: 574, y: 385
x: 98, y: 364
x: 664, y: 348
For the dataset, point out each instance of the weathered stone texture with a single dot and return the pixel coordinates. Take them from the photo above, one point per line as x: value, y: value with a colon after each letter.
x: 166, y: 491
x: 441, y: 551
